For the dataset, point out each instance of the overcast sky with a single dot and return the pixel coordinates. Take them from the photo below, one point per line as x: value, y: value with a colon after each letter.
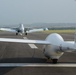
x: 37, y: 11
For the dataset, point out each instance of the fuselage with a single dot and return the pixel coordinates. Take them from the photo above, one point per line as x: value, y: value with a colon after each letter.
x: 21, y: 28
x: 58, y: 46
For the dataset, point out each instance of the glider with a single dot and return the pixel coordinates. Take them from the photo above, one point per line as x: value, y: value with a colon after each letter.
x: 54, y: 45
x: 23, y: 30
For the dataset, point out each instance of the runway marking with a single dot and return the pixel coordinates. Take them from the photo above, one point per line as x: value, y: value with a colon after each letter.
x: 31, y: 45
x: 36, y: 65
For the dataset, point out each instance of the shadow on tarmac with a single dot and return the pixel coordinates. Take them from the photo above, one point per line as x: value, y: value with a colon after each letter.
x: 23, y: 60
x: 4, y: 70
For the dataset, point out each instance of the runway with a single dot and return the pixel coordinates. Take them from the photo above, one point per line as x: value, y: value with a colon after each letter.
x: 32, y: 60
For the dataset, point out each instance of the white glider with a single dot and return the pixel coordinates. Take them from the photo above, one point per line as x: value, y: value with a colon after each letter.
x: 23, y: 30
x: 54, y: 45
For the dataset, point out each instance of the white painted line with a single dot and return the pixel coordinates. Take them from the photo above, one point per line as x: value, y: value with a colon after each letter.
x: 31, y: 45
x: 36, y: 65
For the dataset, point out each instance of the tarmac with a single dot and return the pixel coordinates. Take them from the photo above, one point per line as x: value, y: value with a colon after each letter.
x: 28, y: 59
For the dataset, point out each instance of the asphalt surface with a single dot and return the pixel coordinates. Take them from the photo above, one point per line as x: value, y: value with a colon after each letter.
x: 23, y: 53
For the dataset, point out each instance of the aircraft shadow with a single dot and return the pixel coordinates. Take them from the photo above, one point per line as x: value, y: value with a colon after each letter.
x: 30, y: 60
x: 23, y: 60
x: 4, y: 70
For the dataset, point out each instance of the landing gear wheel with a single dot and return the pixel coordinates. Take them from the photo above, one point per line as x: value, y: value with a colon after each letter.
x: 54, y: 61
x: 25, y: 33
x: 16, y: 33
x: 48, y: 57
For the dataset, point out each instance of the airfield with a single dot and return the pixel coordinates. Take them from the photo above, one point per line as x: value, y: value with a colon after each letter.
x: 32, y: 55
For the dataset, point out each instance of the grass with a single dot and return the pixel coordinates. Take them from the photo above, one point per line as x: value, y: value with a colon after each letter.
x: 60, y: 31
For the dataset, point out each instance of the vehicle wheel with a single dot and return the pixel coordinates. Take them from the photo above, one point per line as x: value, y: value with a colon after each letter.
x: 25, y: 33
x: 16, y: 33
